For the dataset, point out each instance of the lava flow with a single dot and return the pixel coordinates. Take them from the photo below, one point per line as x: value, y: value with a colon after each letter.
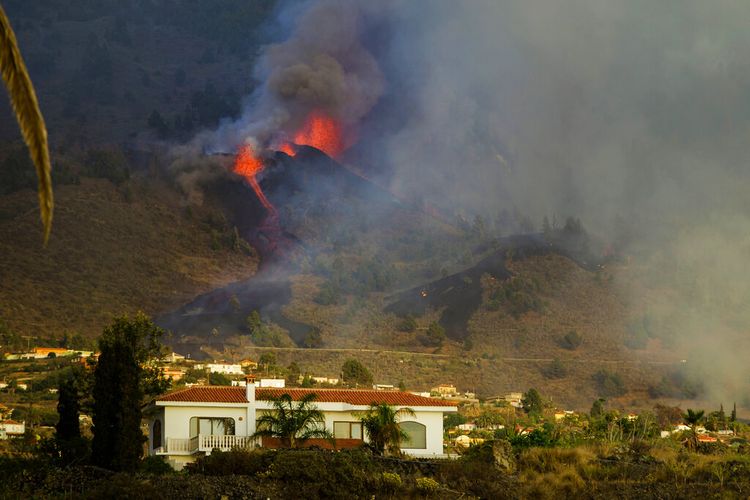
x: 319, y: 131
x: 249, y: 166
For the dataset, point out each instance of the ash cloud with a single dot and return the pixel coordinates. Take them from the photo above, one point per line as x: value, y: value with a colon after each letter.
x: 322, y: 65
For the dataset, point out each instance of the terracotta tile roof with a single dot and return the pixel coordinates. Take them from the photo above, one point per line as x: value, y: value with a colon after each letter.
x: 224, y: 394
x: 207, y: 394
x: 355, y: 396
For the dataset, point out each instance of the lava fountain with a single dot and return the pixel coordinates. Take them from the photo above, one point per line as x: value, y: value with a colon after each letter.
x: 320, y: 131
x: 248, y: 165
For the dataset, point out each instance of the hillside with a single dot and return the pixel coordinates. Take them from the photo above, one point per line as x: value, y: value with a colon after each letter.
x: 112, y: 251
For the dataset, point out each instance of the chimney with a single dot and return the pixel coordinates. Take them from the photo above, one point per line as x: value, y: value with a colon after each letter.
x: 250, y: 388
x: 250, y: 396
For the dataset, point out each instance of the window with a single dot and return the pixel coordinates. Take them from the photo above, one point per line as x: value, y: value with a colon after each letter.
x: 417, y: 435
x: 156, y: 434
x: 347, y: 430
x: 211, y: 426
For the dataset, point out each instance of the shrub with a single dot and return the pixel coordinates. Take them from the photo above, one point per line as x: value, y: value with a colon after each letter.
x: 225, y: 463
x: 571, y: 340
x: 407, y: 324
x: 156, y: 465
x: 610, y: 384
x: 427, y: 485
x: 390, y: 482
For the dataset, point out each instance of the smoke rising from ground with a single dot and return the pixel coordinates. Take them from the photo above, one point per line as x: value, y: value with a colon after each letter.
x: 632, y: 115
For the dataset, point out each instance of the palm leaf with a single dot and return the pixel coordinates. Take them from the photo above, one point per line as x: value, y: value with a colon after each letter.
x: 26, y: 107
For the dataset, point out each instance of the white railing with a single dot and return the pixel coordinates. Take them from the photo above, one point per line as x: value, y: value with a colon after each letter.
x: 224, y: 443
x: 205, y: 443
x: 176, y: 446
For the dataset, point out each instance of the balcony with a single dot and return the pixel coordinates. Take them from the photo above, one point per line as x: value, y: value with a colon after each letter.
x: 205, y: 443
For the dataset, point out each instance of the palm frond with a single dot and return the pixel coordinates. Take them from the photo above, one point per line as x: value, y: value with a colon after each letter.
x: 30, y: 119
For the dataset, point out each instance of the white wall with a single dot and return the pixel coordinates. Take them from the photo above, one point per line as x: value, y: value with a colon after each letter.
x: 177, y: 418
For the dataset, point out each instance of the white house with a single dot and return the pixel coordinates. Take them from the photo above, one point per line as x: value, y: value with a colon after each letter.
x: 10, y: 428
x: 224, y: 368
x: 192, y: 422
x: 264, y: 382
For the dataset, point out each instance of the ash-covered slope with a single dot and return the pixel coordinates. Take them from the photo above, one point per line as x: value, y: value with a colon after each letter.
x: 459, y: 295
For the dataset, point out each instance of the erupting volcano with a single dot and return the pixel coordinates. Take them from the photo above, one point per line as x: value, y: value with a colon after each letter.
x: 319, y: 131
x: 248, y: 165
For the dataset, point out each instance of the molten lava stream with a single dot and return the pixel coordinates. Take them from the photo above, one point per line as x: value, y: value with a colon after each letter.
x: 249, y: 166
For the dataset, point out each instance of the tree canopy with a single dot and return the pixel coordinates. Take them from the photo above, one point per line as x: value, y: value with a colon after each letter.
x: 293, y: 423
x: 122, y: 380
x: 380, y: 422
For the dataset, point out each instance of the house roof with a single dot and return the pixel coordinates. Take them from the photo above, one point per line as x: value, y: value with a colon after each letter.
x: 224, y: 394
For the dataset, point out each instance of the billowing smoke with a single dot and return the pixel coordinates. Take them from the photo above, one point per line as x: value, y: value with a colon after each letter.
x: 322, y: 67
x: 632, y: 115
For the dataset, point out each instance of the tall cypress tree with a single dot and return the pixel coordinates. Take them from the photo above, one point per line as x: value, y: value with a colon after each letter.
x: 72, y: 447
x: 120, y: 384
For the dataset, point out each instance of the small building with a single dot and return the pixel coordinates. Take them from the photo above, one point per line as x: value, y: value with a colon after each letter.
x: 11, y: 428
x: 467, y: 427
x: 514, y: 399
x: 278, y: 383
x: 173, y: 357
x: 249, y: 364
x: 225, y: 368
x: 325, y: 380
x: 445, y: 390
x: 173, y: 373
x: 384, y: 387
x: 465, y: 441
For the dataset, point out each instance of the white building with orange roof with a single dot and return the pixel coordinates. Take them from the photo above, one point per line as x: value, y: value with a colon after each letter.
x: 199, y: 419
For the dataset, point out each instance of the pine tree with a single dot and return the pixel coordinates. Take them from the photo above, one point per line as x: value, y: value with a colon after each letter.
x: 733, y: 415
x: 120, y: 384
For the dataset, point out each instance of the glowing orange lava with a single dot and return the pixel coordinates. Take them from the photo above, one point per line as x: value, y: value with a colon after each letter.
x: 322, y: 132
x: 249, y: 166
x: 288, y: 148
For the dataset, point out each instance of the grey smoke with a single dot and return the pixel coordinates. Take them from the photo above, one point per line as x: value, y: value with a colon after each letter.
x: 628, y: 114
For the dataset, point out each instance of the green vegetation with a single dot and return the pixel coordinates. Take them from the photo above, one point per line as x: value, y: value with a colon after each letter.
x: 293, y: 423
x: 571, y: 340
x: 380, y: 423
x: 355, y: 373
x: 122, y: 380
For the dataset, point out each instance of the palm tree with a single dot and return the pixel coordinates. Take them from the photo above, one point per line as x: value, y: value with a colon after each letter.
x: 26, y: 108
x: 381, y: 425
x: 293, y: 423
x: 693, y: 418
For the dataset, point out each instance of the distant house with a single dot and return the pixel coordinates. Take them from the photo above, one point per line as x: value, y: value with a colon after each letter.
x: 466, y: 441
x: 469, y: 426
x: 249, y: 364
x: 173, y: 373
x: 224, y: 368
x: 384, y: 387
x: 11, y: 428
x: 173, y: 357
x: 514, y: 399
x: 185, y: 424
x: 445, y: 390
x: 278, y: 383
x: 325, y: 380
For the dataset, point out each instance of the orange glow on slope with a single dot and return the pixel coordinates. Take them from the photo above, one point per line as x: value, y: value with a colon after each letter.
x: 248, y: 166
x: 288, y: 148
x: 322, y: 132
